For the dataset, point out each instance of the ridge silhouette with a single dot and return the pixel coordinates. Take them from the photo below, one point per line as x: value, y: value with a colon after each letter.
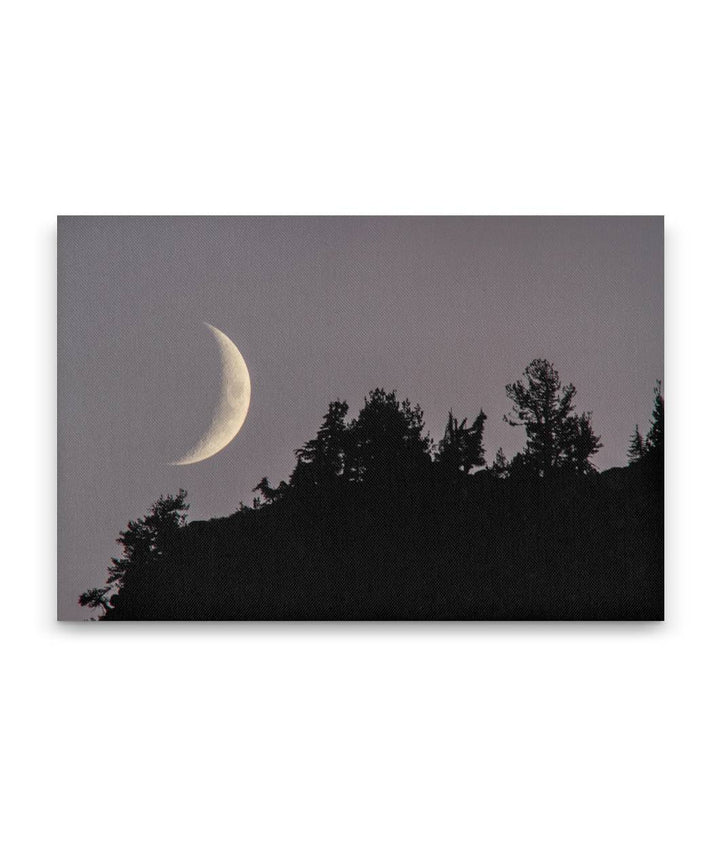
x: 377, y: 522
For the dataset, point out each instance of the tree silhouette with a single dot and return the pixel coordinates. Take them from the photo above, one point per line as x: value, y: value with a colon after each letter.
x: 461, y: 449
x: 655, y: 440
x: 636, y: 450
x: 95, y: 598
x: 144, y: 543
x: 650, y: 449
x: 582, y: 443
x: 556, y: 437
x: 323, y: 458
x: 500, y: 465
x: 387, y: 442
x: 269, y: 494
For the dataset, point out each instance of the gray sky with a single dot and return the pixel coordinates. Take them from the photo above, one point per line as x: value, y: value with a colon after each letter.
x: 446, y: 310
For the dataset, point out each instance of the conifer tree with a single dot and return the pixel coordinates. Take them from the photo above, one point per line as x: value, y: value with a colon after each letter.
x: 637, y: 447
x: 387, y: 442
x: 144, y: 544
x: 655, y: 440
x: 581, y: 444
x: 556, y: 437
x: 323, y: 457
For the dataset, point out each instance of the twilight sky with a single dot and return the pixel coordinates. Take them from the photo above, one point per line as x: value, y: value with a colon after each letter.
x: 446, y: 310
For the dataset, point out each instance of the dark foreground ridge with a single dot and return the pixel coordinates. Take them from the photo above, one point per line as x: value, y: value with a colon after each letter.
x: 377, y: 523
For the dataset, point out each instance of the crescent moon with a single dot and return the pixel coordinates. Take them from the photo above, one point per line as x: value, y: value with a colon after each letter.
x: 232, y: 408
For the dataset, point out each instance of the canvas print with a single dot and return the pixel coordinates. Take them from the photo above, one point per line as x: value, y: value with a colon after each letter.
x: 360, y: 418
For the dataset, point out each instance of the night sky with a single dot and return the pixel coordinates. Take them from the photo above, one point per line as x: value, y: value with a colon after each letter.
x: 447, y: 310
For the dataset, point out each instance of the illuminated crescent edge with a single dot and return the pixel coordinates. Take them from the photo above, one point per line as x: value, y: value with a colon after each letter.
x: 232, y: 408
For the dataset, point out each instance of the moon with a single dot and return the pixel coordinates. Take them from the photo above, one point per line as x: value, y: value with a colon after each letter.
x: 232, y: 408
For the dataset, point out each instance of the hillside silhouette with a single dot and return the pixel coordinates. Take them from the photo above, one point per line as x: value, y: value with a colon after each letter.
x: 376, y: 521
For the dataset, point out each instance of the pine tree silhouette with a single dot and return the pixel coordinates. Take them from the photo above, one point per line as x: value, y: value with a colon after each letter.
x: 655, y: 440
x: 556, y: 437
x: 144, y: 544
x: 636, y: 450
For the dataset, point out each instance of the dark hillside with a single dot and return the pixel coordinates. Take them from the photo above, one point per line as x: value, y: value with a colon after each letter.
x: 577, y: 548
x: 375, y: 522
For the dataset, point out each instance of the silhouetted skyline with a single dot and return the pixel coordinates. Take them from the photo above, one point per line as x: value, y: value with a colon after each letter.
x: 373, y: 524
x: 445, y: 310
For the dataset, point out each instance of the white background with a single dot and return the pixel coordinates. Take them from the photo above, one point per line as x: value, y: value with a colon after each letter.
x: 359, y: 739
